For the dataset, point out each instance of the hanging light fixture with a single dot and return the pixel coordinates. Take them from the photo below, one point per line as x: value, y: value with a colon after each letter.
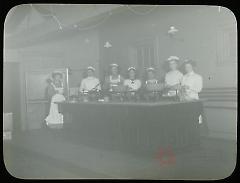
x: 107, y: 45
x: 172, y: 30
x: 172, y: 34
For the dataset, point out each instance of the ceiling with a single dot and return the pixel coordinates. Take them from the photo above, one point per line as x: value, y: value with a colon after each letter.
x: 33, y: 21
x: 31, y: 24
x: 34, y: 14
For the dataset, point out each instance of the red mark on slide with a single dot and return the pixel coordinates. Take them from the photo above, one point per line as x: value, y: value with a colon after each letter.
x: 166, y: 156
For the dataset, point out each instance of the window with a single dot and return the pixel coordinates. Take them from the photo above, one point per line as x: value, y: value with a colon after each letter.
x: 226, y: 46
x: 143, y: 54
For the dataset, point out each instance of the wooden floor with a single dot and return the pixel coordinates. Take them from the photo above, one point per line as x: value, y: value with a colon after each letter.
x: 46, y: 154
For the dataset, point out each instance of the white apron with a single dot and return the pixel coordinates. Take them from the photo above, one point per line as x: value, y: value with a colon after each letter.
x: 54, y: 118
x: 114, y: 82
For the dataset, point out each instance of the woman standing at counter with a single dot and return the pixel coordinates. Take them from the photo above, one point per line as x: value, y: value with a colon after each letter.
x: 90, y: 86
x: 114, y: 79
x: 132, y: 84
x: 114, y: 82
x: 191, y: 83
x: 90, y: 83
x: 173, y: 77
x: 152, y: 85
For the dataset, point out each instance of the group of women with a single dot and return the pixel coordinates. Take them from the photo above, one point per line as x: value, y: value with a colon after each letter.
x: 116, y: 87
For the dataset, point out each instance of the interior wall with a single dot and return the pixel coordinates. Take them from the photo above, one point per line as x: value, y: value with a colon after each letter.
x: 196, y: 39
x: 11, y: 95
x: 74, y: 53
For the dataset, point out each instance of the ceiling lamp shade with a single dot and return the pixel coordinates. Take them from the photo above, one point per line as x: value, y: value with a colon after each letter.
x: 172, y: 30
x: 107, y: 45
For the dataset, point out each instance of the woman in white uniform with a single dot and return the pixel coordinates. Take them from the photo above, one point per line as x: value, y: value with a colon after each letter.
x: 152, y: 85
x: 90, y: 86
x: 115, y: 78
x: 114, y: 82
x: 132, y: 84
x: 151, y: 79
x: 90, y: 82
x: 191, y: 83
x: 173, y: 78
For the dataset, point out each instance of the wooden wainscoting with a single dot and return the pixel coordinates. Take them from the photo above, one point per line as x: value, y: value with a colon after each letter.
x: 36, y: 114
x: 220, y: 98
x: 220, y: 105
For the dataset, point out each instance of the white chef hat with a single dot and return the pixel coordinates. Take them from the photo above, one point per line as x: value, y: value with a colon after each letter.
x: 114, y: 65
x: 90, y: 68
x: 150, y: 69
x: 131, y: 68
x: 171, y: 58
